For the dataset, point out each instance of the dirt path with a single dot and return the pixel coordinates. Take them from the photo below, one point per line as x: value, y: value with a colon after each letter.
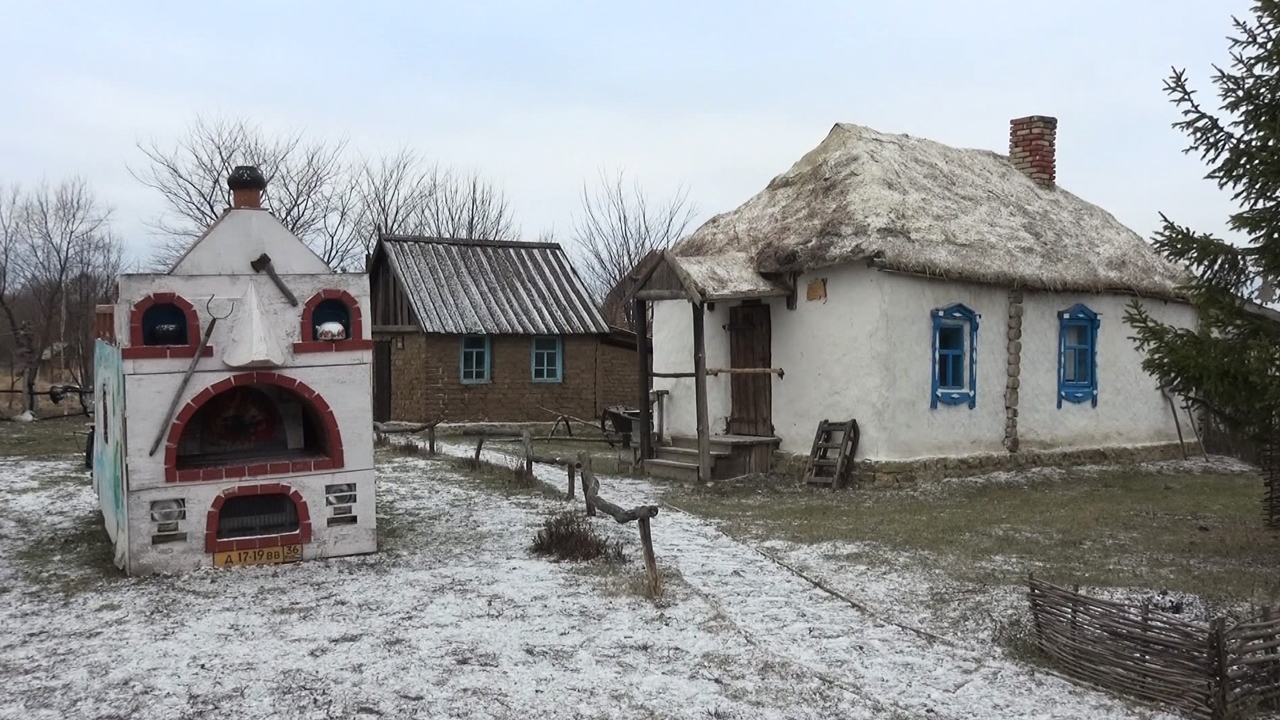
x: 895, y: 669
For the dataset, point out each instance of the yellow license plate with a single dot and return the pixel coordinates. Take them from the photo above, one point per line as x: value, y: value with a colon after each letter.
x: 260, y: 556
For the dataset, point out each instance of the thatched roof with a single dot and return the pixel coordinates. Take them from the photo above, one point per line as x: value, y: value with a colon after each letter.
x: 919, y: 206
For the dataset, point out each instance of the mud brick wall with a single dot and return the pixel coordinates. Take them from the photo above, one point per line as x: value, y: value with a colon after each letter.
x: 426, y: 380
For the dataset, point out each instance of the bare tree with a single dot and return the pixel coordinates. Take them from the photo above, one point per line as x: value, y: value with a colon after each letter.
x: 618, y: 227
x: 335, y: 206
x: 305, y: 179
x: 393, y: 191
x: 10, y: 273
x: 465, y: 205
x: 60, y: 260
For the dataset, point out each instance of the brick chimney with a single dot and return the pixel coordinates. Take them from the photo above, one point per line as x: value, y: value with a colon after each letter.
x: 246, y: 183
x: 1031, y: 147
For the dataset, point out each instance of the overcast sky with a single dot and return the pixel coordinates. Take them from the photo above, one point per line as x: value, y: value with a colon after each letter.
x: 716, y: 96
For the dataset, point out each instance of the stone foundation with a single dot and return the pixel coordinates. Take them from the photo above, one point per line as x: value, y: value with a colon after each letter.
x: 892, y: 473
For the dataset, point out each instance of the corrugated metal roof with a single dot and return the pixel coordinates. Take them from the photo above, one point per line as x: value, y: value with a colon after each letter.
x: 492, y: 288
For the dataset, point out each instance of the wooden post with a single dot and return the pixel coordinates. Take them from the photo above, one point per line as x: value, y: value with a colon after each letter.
x: 700, y: 391
x: 527, y: 441
x: 1218, y: 661
x: 650, y: 562
x: 639, y: 308
x: 570, y: 468
x: 479, y: 444
x: 585, y: 460
x: 431, y: 440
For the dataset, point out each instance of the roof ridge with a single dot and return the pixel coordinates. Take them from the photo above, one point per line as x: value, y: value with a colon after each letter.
x: 477, y: 242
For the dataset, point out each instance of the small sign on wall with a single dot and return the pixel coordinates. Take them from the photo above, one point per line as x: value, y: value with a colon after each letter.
x: 817, y: 290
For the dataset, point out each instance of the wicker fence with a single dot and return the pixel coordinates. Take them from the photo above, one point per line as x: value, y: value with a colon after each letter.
x: 1208, y: 670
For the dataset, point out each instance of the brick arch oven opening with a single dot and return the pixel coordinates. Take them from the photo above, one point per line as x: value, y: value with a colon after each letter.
x: 253, y: 424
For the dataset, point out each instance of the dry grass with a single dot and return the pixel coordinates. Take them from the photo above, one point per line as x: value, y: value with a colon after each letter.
x: 1200, y: 534
x: 55, y: 437
x: 568, y: 536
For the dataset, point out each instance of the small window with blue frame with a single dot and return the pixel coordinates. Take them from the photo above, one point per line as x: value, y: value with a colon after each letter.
x: 475, y: 358
x: 955, y: 366
x: 548, y: 359
x: 1078, y: 356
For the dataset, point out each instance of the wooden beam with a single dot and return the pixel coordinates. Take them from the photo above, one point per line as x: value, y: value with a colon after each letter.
x: 661, y: 295
x: 745, y: 371
x: 643, y: 359
x: 700, y: 392
x: 673, y: 375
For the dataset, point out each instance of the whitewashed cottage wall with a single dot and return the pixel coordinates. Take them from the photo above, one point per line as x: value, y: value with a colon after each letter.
x: 865, y: 351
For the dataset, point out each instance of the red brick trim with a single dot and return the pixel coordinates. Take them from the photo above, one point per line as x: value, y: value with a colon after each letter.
x: 303, y: 534
x: 193, y: 320
x: 354, y: 341
x: 333, y: 437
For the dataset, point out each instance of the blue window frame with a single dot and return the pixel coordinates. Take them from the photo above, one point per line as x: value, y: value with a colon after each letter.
x: 955, y: 356
x: 1078, y: 355
x: 475, y: 359
x: 547, y: 359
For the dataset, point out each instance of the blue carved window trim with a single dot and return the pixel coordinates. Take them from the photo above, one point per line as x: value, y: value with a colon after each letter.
x: 949, y: 389
x: 1081, y: 348
x: 475, y: 359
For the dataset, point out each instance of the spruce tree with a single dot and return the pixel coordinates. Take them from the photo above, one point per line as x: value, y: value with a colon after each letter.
x: 1229, y: 367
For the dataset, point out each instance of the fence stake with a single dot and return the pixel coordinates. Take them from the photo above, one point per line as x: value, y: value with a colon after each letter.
x: 431, y: 440
x: 1218, y: 662
x: 650, y: 562
x: 479, y: 444
x: 569, y: 467
x: 528, y: 453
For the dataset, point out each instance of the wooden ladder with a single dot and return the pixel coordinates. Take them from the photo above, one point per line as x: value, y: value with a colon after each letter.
x: 826, y: 467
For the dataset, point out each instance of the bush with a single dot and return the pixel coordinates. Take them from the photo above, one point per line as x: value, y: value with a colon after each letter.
x: 568, y: 536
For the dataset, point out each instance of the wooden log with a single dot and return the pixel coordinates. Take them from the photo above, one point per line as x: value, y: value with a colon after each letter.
x: 570, y: 469
x: 713, y: 372
x: 382, y: 428
x: 591, y: 492
x: 479, y: 446
x: 182, y: 386
x: 431, y: 440
x: 673, y: 374
x: 650, y: 562
x: 700, y: 393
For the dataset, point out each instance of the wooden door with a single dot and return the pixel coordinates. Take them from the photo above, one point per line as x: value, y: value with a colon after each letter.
x: 749, y: 347
x: 381, y: 381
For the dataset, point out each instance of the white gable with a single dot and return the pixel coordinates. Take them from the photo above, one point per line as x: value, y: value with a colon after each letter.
x: 238, y: 238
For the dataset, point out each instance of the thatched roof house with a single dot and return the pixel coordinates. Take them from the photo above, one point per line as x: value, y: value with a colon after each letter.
x: 863, y: 274
x: 919, y: 206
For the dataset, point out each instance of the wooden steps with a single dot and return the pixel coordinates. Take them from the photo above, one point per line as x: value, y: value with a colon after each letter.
x: 834, y: 446
x: 731, y: 456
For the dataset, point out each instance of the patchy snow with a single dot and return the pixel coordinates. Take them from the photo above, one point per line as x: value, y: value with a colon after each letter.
x: 865, y: 646
x: 455, y: 619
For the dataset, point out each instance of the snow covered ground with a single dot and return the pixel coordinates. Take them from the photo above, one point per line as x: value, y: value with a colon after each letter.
x: 455, y: 619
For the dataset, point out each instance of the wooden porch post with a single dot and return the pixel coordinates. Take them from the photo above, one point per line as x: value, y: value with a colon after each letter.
x: 639, y: 308
x: 700, y: 390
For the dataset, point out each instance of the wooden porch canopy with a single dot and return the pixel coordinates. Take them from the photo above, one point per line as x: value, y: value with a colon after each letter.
x: 700, y: 280
x: 704, y: 279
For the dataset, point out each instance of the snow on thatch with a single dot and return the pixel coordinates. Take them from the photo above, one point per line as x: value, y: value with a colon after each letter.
x: 727, y: 275
x: 920, y: 206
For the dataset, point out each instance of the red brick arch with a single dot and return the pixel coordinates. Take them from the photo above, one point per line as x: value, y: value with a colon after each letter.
x: 139, y: 351
x: 302, y: 535
x: 333, y: 437
x: 355, y: 340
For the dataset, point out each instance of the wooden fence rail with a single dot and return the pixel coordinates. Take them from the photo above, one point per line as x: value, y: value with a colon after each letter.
x: 1211, y: 671
x: 641, y: 515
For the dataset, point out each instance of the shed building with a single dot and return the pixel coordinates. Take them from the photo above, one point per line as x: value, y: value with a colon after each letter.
x: 484, y: 330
